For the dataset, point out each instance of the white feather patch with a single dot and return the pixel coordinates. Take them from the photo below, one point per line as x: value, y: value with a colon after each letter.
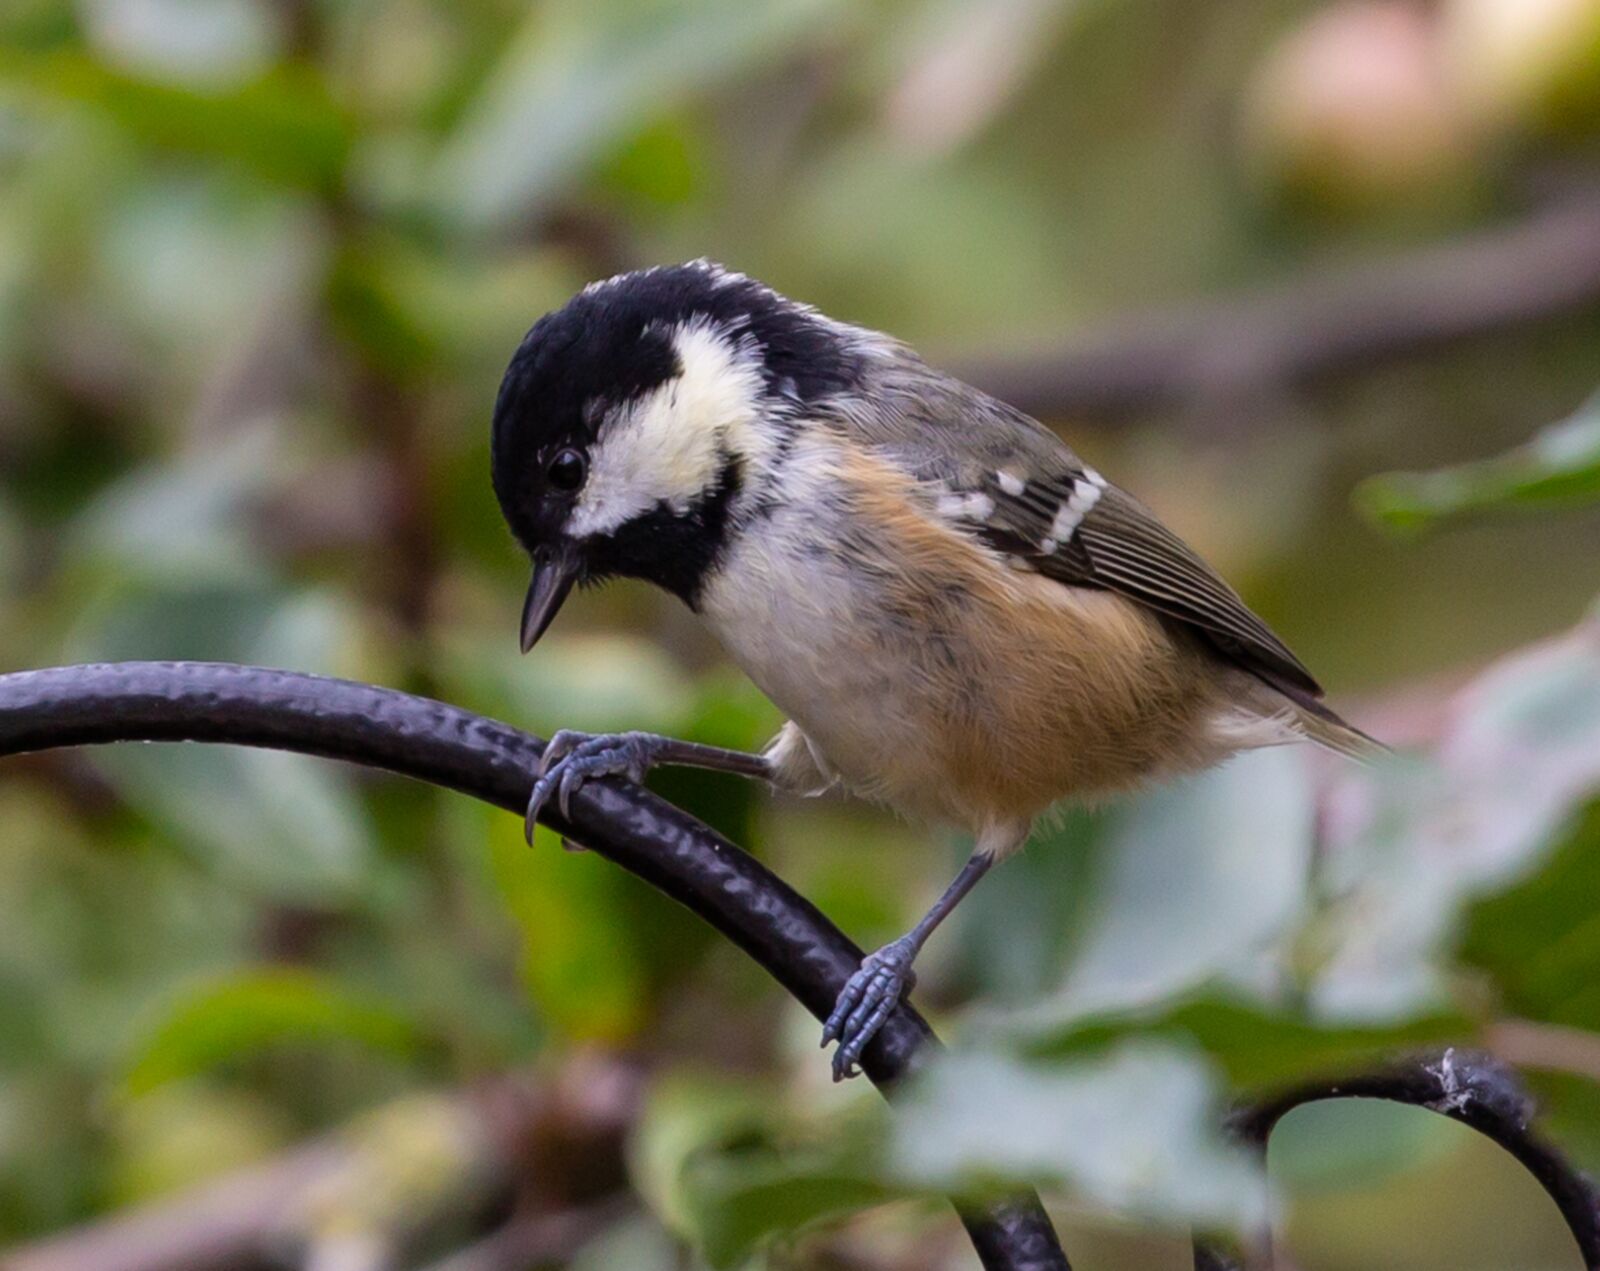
x: 1011, y: 483
x: 669, y: 446
x: 1085, y: 494
x: 974, y: 506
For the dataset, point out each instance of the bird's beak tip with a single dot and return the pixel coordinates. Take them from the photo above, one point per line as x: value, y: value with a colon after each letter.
x: 553, y: 576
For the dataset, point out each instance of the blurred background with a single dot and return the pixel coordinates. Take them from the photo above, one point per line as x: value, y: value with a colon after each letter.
x: 1320, y: 282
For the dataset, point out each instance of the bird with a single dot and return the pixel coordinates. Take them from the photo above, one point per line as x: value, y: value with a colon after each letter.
x: 961, y: 619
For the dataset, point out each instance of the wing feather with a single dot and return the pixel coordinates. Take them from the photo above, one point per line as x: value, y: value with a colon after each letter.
x: 1046, y: 510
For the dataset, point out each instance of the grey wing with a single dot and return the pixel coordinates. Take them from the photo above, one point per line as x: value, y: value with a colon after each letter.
x: 1010, y: 482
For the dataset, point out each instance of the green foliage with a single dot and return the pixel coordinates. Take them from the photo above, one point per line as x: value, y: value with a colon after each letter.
x: 1137, y: 1129
x: 721, y: 1163
x: 243, y: 1014
x: 579, y: 78
x: 1559, y: 468
x: 283, y: 128
x: 260, y: 269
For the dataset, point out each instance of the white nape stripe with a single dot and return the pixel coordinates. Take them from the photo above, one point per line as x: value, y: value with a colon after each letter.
x: 669, y: 446
x: 1085, y: 494
x: 1010, y: 483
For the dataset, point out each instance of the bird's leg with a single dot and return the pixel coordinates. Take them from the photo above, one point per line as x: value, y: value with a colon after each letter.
x: 572, y: 758
x: 886, y: 976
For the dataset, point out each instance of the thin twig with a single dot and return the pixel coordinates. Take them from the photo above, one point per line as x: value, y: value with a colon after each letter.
x: 535, y: 1240
x: 1326, y: 324
x: 254, y: 1215
x: 418, y: 737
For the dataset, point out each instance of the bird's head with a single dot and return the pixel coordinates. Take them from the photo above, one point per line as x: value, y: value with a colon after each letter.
x: 634, y: 423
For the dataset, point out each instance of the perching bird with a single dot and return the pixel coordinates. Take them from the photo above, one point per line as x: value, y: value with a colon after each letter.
x: 961, y: 618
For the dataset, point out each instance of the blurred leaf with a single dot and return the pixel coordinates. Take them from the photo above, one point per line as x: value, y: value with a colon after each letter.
x: 582, y: 963
x: 1541, y: 937
x: 1016, y: 932
x: 249, y: 1011
x: 723, y: 1163
x: 743, y: 1199
x: 1198, y: 878
x: 284, y: 826
x: 281, y: 825
x: 637, y: 1242
x: 1257, y: 1047
x: 684, y: 1114
x: 581, y: 75
x: 10, y: 549
x: 597, y: 682
x: 415, y: 306
x: 283, y: 127
x: 187, y: 1133
x: 1414, y: 841
x: 200, y: 42
x: 1136, y: 1130
x: 1560, y: 467
x: 184, y: 521
x: 659, y: 166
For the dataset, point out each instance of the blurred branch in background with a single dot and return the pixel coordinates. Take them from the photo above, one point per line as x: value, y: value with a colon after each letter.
x: 1229, y: 352
x: 359, y: 1197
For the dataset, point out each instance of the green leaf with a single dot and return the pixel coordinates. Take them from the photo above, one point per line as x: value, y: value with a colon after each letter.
x: 282, y: 825
x: 580, y: 76
x: 582, y: 962
x: 1419, y: 840
x: 284, y: 126
x: 1339, y: 1143
x: 742, y: 1200
x: 725, y: 1164
x: 1257, y: 1047
x: 1198, y: 878
x: 1137, y: 1130
x: 1560, y: 467
x: 247, y: 1012
x: 1541, y: 937
x: 183, y: 521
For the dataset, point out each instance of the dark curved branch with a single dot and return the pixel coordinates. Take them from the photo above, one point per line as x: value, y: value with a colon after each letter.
x: 1472, y: 1088
x: 428, y: 740
x: 1314, y: 327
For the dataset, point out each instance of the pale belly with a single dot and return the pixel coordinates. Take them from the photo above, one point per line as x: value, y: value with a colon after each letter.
x: 959, y: 699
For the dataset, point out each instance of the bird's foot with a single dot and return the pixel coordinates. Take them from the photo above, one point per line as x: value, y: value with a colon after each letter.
x: 572, y: 758
x: 868, y: 998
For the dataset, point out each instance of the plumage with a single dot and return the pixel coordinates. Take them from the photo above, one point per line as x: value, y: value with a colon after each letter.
x: 1117, y: 544
x: 961, y: 619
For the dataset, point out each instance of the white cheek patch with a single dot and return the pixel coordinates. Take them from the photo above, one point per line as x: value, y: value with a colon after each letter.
x: 669, y: 446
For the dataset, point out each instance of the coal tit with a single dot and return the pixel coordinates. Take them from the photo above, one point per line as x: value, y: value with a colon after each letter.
x: 961, y: 619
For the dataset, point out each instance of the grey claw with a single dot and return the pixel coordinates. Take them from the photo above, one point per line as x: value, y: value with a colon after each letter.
x: 536, y: 802
x: 563, y: 743
x: 572, y: 777
x: 866, y: 1002
x: 571, y: 758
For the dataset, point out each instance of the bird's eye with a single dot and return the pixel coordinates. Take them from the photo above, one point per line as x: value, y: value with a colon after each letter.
x: 567, y: 470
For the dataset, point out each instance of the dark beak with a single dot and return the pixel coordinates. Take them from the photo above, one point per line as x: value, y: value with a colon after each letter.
x: 554, y: 571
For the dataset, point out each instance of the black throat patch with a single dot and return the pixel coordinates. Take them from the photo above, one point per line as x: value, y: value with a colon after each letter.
x: 673, y: 549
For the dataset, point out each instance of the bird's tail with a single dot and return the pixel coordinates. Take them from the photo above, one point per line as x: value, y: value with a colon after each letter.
x: 1314, y: 720
x: 1324, y: 726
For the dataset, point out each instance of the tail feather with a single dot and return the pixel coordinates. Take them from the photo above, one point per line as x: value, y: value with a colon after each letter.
x: 1328, y: 730
x: 1316, y: 721
x: 1319, y: 722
